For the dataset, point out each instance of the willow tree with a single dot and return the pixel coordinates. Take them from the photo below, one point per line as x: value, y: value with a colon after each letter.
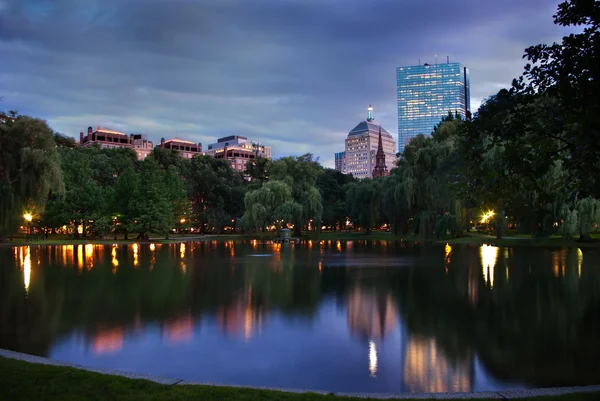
x: 393, y: 203
x: 588, y: 212
x: 301, y: 174
x: 364, y: 202
x: 29, y: 168
x: 270, y: 203
x: 428, y: 169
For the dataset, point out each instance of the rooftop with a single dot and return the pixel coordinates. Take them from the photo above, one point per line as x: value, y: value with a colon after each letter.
x: 109, y: 131
x: 175, y: 139
x: 371, y: 127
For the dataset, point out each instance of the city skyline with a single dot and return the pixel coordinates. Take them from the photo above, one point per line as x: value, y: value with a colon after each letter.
x: 211, y: 70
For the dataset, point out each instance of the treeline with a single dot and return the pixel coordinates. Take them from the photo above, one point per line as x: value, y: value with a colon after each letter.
x: 95, y: 192
x: 531, y: 154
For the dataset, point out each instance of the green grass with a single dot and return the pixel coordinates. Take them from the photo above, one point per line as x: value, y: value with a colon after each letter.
x: 26, y: 381
x: 521, y: 240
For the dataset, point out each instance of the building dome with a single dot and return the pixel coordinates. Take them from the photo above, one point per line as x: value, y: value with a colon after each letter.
x: 369, y: 127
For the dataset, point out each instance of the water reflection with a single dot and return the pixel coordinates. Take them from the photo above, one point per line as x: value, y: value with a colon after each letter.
x: 24, y: 253
x: 108, y: 340
x: 360, y: 316
x: 428, y: 369
x: 371, y: 315
x: 179, y: 329
x: 136, y: 261
x: 241, y: 317
x: 489, y: 257
x: 372, y: 358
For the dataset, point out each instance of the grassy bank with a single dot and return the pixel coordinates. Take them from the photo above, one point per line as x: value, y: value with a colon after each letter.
x: 65, y: 240
x: 26, y: 381
x: 521, y: 240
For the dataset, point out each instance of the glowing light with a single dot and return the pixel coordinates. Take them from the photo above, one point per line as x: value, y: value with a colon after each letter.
x: 487, y: 217
x: 28, y: 217
x: 372, y: 358
x: 182, y: 221
x: 338, y: 245
x: 136, y: 261
x: 182, y: 250
x: 489, y: 256
x: 79, y: 257
x: 152, y: 247
x: 89, y: 255
x: 579, y: 261
x: 447, y: 250
x: 26, y: 261
x: 89, y: 250
x: 115, y: 262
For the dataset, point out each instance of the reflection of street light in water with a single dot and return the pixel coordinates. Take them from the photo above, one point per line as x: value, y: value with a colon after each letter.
x: 372, y: 358
x: 26, y: 261
x: 489, y: 256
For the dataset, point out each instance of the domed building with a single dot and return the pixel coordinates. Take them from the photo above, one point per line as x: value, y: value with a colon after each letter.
x: 362, y: 143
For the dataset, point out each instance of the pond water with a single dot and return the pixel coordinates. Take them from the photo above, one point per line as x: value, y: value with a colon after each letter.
x: 364, y: 316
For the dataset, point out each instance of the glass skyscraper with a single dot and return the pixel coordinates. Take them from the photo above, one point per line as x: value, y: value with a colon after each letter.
x: 426, y: 93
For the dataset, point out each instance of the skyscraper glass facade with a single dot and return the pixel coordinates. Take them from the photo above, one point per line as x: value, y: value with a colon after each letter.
x: 426, y: 93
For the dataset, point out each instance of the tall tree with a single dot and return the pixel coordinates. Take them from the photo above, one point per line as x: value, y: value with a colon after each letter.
x: 29, y: 168
x: 569, y: 72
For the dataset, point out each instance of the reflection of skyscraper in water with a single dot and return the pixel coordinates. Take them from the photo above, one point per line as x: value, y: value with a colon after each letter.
x: 178, y: 329
x: 428, y: 369
x: 241, y: 316
x: 107, y: 340
x: 371, y: 316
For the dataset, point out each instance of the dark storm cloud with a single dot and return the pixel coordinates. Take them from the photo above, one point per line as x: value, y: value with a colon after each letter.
x: 297, y: 74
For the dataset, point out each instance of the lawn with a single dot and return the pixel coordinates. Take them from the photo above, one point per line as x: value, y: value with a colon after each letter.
x: 27, y: 381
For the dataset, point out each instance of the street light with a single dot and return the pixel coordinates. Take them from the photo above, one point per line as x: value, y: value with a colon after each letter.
x: 28, y: 217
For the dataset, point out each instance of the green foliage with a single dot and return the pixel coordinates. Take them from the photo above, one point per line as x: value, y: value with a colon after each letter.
x: 151, y: 206
x: 364, y: 202
x: 568, y: 73
x: 445, y: 225
x: 29, y: 169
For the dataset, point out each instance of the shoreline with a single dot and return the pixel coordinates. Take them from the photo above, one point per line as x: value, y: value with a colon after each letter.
x: 467, y: 240
x: 134, y: 378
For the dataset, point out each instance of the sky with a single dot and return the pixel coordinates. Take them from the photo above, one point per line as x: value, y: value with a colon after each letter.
x: 297, y: 75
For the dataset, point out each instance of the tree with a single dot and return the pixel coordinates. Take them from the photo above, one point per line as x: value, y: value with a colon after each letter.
x: 63, y: 141
x: 258, y: 171
x: 331, y: 186
x: 218, y: 218
x: 123, y: 201
x: 29, y: 168
x: 151, y: 208
x: 364, y: 200
x: 301, y: 174
x: 271, y: 203
x: 206, y: 180
x: 568, y: 72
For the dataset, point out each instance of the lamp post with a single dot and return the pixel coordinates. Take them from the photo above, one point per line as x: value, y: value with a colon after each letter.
x: 28, y: 217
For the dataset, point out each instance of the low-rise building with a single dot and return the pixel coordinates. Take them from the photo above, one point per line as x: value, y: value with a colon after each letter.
x: 238, y: 151
x: 142, y: 146
x: 105, y: 138
x: 187, y: 149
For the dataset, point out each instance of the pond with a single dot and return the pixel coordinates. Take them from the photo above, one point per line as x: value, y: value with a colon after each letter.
x: 350, y: 316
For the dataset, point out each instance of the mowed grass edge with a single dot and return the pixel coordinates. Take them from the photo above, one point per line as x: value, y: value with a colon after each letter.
x: 21, y: 380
